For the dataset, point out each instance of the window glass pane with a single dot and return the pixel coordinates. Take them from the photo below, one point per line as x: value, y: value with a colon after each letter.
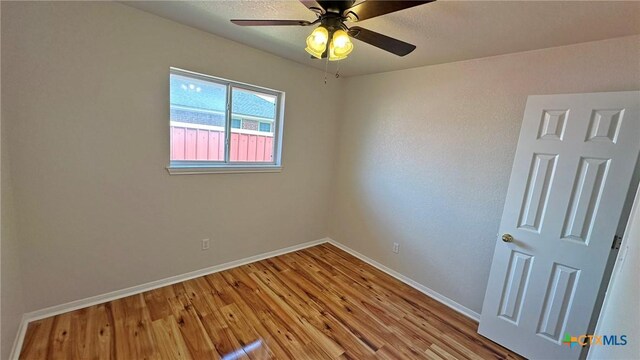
x: 198, y: 119
x: 250, y: 143
x: 265, y: 127
x: 236, y: 123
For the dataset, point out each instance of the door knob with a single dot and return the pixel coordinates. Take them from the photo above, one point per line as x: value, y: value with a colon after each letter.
x: 507, y: 238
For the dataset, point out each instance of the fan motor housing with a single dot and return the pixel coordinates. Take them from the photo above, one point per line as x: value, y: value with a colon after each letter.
x: 333, y: 22
x: 336, y: 6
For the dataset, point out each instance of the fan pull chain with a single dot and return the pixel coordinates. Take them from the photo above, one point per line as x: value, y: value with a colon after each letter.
x: 326, y: 69
x: 338, y: 70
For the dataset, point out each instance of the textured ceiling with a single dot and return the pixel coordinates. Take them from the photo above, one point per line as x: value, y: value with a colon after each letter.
x: 443, y: 31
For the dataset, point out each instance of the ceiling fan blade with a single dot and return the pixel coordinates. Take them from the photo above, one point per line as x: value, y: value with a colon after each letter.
x: 313, y: 6
x: 383, y: 42
x: 271, y: 22
x: 369, y: 9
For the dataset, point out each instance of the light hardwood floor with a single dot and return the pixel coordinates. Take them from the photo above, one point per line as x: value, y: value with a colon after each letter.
x: 317, y: 303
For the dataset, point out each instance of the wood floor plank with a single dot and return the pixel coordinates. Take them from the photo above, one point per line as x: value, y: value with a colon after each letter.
x: 156, y: 301
x: 359, y: 306
x: 257, y: 313
x: 81, y: 335
x: 59, y: 342
x: 298, y: 322
x: 389, y: 353
x: 93, y: 332
x: 37, y: 340
x: 193, y: 332
x: 334, y: 338
x: 316, y: 303
x: 357, y: 324
x: 222, y: 338
x: 171, y: 345
x: 133, y: 334
x: 442, y: 352
x: 252, y: 343
x: 431, y: 355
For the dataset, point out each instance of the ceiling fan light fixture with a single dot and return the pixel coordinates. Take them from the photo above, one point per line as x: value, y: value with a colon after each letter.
x: 340, y: 46
x: 317, y: 42
x: 341, y: 39
x: 331, y: 36
x: 332, y: 54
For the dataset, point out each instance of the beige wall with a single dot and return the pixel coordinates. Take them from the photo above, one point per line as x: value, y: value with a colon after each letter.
x: 11, y: 299
x: 431, y: 160
x: 85, y: 98
x: 11, y: 295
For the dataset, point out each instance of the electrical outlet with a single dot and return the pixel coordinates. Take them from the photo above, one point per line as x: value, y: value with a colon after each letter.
x: 396, y: 248
x: 205, y: 244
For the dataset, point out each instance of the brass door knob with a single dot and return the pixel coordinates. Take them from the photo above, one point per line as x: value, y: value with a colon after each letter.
x: 507, y: 238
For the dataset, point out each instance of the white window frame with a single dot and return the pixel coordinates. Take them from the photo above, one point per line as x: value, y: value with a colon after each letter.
x: 227, y: 166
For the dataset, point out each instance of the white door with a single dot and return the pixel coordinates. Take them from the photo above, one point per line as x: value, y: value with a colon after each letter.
x: 571, y: 173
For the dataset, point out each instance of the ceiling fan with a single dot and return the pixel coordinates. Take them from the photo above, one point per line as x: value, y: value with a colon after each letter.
x: 332, y: 37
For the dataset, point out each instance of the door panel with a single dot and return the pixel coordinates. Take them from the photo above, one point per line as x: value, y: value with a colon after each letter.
x: 605, y: 125
x: 515, y: 287
x: 571, y: 174
x: 558, y: 301
x: 553, y: 124
x: 537, y: 193
x: 585, y: 198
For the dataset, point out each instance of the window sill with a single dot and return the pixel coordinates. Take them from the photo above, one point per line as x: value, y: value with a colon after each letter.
x: 223, y: 169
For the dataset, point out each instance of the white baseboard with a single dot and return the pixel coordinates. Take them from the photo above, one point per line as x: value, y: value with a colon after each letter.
x: 99, y: 299
x: 17, y: 343
x: 414, y: 284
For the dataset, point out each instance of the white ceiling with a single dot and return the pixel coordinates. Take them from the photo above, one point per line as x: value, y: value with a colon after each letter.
x: 443, y: 31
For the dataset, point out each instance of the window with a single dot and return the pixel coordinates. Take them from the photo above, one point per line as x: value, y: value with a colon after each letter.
x: 265, y: 127
x: 218, y: 125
